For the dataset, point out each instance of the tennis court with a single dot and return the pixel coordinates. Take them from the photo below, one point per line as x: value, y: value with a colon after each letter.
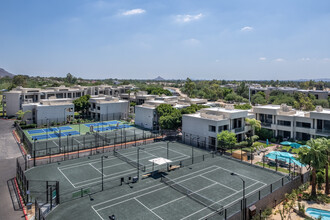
x: 55, y: 132
x: 87, y: 171
x: 199, y: 191
x: 50, y: 141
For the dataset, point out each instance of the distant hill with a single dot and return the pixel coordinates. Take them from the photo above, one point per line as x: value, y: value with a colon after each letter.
x: 321, y: 79
x: 4, y: 73
x: 159, y: 78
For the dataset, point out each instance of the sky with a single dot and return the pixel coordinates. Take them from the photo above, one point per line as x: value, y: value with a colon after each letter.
x: 174, y: 39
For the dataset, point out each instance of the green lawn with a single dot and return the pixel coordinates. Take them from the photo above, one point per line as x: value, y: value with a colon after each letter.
x: 283, y: 170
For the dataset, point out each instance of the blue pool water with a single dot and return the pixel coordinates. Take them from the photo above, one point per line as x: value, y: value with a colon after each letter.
x: 316, y: 213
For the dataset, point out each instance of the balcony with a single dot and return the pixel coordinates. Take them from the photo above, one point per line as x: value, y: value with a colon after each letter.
x: 266, y: 124
x: 237, y: 130
x: 323, y: 131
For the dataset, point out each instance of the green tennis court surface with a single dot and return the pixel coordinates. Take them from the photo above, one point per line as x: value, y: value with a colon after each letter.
x: 177, y: 196
x: 87, y: 171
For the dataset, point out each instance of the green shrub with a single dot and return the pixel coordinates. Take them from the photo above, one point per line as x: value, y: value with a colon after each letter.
x: 28, y: 126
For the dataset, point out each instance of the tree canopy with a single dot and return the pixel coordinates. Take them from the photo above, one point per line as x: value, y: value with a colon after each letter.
x: 82, y: 104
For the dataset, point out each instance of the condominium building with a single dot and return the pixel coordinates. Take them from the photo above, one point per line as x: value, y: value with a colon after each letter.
x: 209, y: 122
x: 286, y: 122
x: 146, y: 114
x: 108, y: 108
x: 14, y: 99
x: 319, y: 94
x: 49, y: 112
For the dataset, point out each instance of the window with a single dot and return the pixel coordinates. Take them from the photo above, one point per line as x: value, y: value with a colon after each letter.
x: 212, y: 128
x: 284, y: 123
x: 98, y: 107
x: 222, y: 128
x: 303, y: 124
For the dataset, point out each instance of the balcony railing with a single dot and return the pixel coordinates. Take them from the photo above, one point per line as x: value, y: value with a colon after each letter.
x: 323, y: 131
x: 266, y: 124
x: 239, y: 129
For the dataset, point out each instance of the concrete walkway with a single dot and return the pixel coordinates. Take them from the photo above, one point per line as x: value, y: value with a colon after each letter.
x: 9, y: 151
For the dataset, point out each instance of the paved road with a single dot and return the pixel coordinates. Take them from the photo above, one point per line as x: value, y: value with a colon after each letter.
x: 9, y: 150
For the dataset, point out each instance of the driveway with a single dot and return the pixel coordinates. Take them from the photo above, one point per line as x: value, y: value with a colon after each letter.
x: 9, y: 151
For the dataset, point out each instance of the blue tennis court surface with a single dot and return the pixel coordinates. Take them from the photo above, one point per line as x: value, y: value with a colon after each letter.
x: 36, y: 131
x: 102, y: 123
x: 55, y: 135
x: 65, y: 128
x: 50, y: 129
x: 40, y: 137
x: 110, y: 128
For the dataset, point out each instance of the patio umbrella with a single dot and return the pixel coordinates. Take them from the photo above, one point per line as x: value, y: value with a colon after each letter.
x: 287, y: 143
x: 295, y: 145
x: 267, y: 142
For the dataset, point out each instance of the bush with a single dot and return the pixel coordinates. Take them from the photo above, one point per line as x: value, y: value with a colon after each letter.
x: 320, y: 179
x: 28, y: 126
x: 273, y: 140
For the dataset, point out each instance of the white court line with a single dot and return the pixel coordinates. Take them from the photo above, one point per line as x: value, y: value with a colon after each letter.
x: 96, y: 169
x: 175, y: 151
x: 55, y: 143
x: 147, y: 208
x: 164, y: 187
x: 113, y: 174
x: 66, y: 177
x: 77, y: 141
x: 217, y: 202
x: 183, y: 196
x: 83, y: 163
x: 233, y: 201
x: 97, y: 213
x: 219, y: 183
x: 230, y: 171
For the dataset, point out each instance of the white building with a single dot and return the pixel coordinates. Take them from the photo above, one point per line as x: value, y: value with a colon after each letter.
x: 108, y: 108
x: 209, y: 122
x: 146, y: 114
x: 14, y: 99
x: 287, y: 122
x: 48, y: 112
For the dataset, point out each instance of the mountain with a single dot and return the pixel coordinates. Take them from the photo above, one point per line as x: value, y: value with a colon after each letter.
x: 159, y: 78
x: 4, y: 73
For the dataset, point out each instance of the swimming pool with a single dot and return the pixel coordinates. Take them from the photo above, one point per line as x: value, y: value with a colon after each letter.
x: 316, y: 213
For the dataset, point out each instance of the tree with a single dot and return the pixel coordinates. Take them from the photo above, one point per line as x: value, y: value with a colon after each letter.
x: 254, y: 123
x: 189, y: 87
x: 169, y: 117
x: 326, y: 144
x: 226, y: 139
x: 314, y: 157
x: 259, y: 98
x: 20, y: 80
x: 82, y: 104
x: 20, y: 114
x: 70, y: 78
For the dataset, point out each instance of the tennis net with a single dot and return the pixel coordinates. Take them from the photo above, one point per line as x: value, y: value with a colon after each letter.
x: 56, y: 133
x: 129, y: 161
x: 214, y: 206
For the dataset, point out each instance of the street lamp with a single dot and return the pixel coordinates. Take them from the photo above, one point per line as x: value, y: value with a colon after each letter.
x: 234, y: 174
x: 138, y: 160
x: 103, y: 156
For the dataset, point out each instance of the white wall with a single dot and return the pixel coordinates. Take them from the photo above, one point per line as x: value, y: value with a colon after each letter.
x: 13, y: 103
x: 144, y: 116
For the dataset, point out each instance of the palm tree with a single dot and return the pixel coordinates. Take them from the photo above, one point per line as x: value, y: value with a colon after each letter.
x: 254, y: 123
x: 326, y: 143
x: 314, y: 157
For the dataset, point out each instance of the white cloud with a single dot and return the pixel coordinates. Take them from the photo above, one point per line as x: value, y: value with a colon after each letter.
x: 134, y: 12
x: 262, y: 58
x: 191, y: 41
x: 305, y: 59
x: 188, y: 18
x: 326, y: 59
x: 279, y: 60
x: 247, y: 29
